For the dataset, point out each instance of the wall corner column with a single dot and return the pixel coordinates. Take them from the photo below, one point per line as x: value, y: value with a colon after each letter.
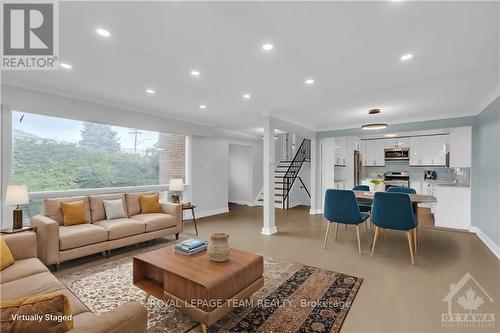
x: 269, y: 226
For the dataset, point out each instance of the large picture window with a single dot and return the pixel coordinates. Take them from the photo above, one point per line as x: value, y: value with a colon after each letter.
x: 51, y: 154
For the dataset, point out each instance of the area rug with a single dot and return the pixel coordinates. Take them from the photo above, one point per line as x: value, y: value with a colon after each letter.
x: 295, y: 298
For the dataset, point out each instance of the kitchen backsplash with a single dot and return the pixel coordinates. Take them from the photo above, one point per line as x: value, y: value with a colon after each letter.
x: 417, y: 173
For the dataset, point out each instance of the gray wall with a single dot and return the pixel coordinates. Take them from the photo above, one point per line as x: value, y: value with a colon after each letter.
x: 486, y: 171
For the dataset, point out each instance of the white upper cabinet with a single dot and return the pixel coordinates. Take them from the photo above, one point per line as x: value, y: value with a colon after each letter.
x: 374, y: 152
x: 340, y: 151
x: 428, y: 150
x: 397, y: 143
x: 460, y: 147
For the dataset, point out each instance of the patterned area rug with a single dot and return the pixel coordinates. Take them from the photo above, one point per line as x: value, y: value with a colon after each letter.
x: 295, y: 298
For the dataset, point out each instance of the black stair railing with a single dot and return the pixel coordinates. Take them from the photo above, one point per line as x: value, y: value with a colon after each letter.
x: 303, y: 155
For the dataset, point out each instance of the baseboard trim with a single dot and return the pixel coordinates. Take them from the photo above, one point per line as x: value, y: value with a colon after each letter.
x: 244, y: 203
x: 486, y: 240
x: 315, y: 211
x: 206, y: 213
x: 269, y: 231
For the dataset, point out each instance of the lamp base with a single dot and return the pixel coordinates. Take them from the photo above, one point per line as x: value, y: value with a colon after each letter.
x: 176, y: 198
x: 17, y: 218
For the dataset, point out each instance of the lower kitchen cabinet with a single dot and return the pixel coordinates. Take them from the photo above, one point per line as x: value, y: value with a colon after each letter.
x: 453, y: 207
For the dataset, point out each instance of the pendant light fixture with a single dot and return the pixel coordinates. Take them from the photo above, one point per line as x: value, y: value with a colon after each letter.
x: 374, y: 125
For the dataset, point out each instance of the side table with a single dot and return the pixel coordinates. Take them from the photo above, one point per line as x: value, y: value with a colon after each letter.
x: 191, y: 207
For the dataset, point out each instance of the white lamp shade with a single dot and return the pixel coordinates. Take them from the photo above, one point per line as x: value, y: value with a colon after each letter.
x: 176, y: 185
x: 17, y: 195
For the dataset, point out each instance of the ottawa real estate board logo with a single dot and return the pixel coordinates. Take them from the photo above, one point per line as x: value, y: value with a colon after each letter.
x: 30, y: 36
x: 469, y: 305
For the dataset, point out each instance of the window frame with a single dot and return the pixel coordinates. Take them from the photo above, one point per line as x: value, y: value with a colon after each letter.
x: 6, y: 156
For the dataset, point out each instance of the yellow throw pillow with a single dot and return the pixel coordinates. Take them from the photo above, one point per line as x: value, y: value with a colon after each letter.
x: 53, y: 313
x: 73, y: 213
x: 5, y: 255
x: 150, y: 204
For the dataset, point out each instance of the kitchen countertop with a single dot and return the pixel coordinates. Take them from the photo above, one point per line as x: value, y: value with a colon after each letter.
x: 446, y: 183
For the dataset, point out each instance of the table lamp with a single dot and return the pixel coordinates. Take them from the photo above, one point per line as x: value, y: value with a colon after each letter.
x: 176, y: 186
x: 17, y: 195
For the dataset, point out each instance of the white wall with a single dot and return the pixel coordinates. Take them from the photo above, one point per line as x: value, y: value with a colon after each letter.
x: 240, y: 174
x: 209, y: 175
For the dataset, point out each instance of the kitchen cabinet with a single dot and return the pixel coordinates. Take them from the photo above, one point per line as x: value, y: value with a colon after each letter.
x: 339, y: 185
x: 374, y: 153
x: 453, y: 207
x: 416, y: 185
x: 428, y: 150
x: 397, y: 143
x: 460, y: 147
x: 340, y: 151
x: 327, y: 166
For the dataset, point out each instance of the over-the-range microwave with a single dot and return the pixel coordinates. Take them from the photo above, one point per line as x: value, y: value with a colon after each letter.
x: 397, y: 154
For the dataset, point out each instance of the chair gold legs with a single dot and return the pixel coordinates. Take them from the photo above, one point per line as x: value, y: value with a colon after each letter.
x: 336, y: 229
x: 375, y: 239
x: 326, y: 234
x: 203, y: 328
x: 359, y: 240
x: 414, y: 231
x: 408, y: 234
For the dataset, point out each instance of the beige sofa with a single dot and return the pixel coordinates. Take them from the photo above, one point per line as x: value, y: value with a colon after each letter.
x: 29, y: 277
x: 58, y: 243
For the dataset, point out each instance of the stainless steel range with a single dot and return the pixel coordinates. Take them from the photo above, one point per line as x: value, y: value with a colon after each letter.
x: 396, y: 178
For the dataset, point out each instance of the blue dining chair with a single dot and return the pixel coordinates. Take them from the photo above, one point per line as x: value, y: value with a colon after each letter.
x: 400, y: 189
x: 363, y: 207
x: 393, y: 211
x: 341, y: 206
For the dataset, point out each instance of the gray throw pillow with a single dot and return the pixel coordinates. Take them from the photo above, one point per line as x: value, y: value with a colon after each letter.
x: 114, y: 209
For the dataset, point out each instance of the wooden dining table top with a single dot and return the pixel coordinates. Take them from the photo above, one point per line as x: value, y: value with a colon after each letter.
x: 414, y: 198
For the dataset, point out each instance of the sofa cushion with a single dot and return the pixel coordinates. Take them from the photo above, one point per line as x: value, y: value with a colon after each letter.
x: 80, y: 235
x: 97, y: 207
x: 133, y: 205
x: 156, y: 221
x: 22, y: 268
x: 52, y: 207
x: 119, y: 228
x: 36, y: 284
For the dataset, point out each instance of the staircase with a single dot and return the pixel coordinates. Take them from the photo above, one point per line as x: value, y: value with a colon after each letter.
x: 286, y: 173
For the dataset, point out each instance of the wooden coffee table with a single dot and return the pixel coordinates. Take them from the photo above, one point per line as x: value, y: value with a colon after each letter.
x: 203, y: 289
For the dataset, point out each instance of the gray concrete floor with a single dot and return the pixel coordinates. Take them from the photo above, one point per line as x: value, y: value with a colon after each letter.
x: 395, y: 296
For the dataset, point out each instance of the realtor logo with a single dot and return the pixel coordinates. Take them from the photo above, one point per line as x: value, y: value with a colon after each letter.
x: 30, y: 35
x: 467, y: 301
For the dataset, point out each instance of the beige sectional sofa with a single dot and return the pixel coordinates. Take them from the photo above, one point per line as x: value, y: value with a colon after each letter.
x: 30, y: 277
x: 58, y: 243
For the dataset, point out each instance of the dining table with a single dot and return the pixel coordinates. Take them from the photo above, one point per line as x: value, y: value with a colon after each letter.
x: 365, y: 196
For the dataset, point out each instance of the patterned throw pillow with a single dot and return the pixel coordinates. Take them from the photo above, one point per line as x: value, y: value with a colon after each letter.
x: 41, y: 313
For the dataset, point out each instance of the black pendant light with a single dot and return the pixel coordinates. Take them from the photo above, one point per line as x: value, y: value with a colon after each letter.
x: 374, y: 125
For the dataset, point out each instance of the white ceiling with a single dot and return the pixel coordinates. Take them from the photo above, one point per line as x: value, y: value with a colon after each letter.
x: 352, y: 51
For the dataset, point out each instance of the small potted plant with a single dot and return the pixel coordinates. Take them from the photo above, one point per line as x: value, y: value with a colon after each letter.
x: 377, y: 184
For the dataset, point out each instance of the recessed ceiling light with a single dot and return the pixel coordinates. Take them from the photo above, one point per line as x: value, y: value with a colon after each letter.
x: 267, y: 47
x: 195, y: 73
x: 407, y: 57
x: 65, y: 66
x: 150, y: 91
x: 103, y: 32
x: 202, y: 106
x: 309, y: 82
x: 246, y: 96
x: 390, y: 135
